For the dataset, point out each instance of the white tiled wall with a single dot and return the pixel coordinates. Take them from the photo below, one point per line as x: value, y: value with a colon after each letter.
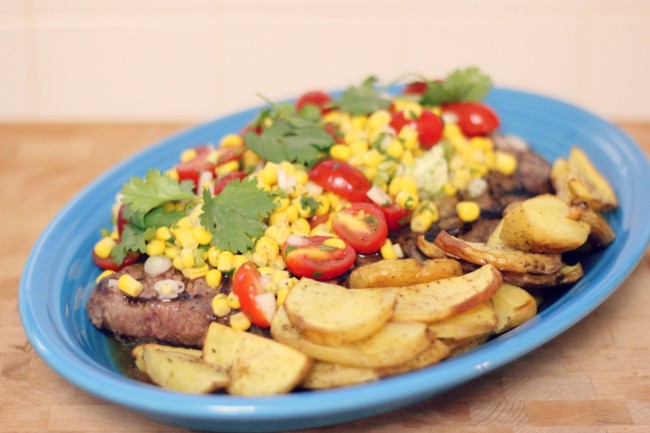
x: 196, y: 59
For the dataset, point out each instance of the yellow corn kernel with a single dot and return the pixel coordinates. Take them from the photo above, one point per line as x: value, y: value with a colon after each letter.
x: 194, y: 272
x: 335, y: 243
x: 104, y: 247
x: 278, y: 275
x: 301, y: 177
x: 163, y: 233
x: 278, y: 263
x: 333, y: 116
x: 250, y: 159
x: 269, y: 174
x: 226, y: 261
x: 352, y: 135
x: 279, y: 219
x: 409, y: 137
x: 372, y: 158
x: 282, y: 203
x: 188, y: 155
x: 231, y: 140
x: 213, y: 277
x: 300, y: 227
x: 281, y: 296
x: 227, y: 168
x: 321, y: 230
x: 238, y: 260
x: 449, y: 190
x: 358, y: 147
x: 341, y: 152
x: 187, y: 257
x: 103, y: 275
x: 451, y: 130
x: 468, y: 211
x: 114, y: 235
x: 270, y: 287
x: 407, y: 158
x: 359, y: 122
x: 422, y: 221
x: 184, y: 223
x: 378, y: 120
x: 387, y: 251
x: 266, y: 270
x: 483, y: 144
x: 213, y: 256
x: 292, y: 213
x: 220, y: 306
x: 406, y: 200
x: 201, y: 235
x: 283, y: 233
x: 177, y: 261
x: 267, y: 246
x: 233, y: 300
x: 395, y: 149
x: 129, y: 285
x: 505, y: 163
x: 240, y: 322
x: 323, y: 205
x: 173, y: 174
x: 411, y: 109
x: 155, y: 247
x: 461, y: 178
x: 260, y: 260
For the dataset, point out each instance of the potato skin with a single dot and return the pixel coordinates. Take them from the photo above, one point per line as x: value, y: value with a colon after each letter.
x: 403, y: 272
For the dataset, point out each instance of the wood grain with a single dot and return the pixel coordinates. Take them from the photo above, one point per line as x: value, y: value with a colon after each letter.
x: 594, y: 378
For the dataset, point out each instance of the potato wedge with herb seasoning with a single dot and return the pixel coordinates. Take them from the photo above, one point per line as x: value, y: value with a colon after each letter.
x: 256, y: 365
x: 393, y: 344
x: 324, y: 375
x: 513, y: 306
x: 441, y: 299
x: 179, y: 369
x: 333, y: 315
x: 403, y: 272
x: 545, y: 224
x: 478, y: 321
x: 435, y: 353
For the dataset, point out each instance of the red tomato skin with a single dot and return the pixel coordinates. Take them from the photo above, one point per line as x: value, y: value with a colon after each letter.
x: 342, y: 179
x: 121, y: 221
x: 246, y: 285
x: 415, y: 88
x: 220, y: 184
x: 318, y: 98
x: 429, y: 127
x: 397, y: 218
x: 108, y: 264
x: 311, y: 260
x: 192, y: 169
x: 365, y: 242
x: 334, y: 132
x: 474, y: 118
x: 398, y: 121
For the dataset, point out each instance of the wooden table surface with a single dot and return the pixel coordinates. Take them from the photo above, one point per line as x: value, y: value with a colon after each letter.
x: 594, y: 378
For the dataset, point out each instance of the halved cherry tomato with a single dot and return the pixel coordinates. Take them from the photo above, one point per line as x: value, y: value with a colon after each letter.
x: 396, y: 217
x: 310, y: 257
x: 362, y: 225
x: 220, y: 184
x: 334, y: 132
x: 121, y: 221
x: 254, y: 303
x: 341, y: 178
x: 320, y: 99
x: 318, y: 219
x: 474, y: 118
x: 108, y: 264
x: 398, y: 121
x: 415, y: 88
x: 192, y: 169
x: 429, y: 128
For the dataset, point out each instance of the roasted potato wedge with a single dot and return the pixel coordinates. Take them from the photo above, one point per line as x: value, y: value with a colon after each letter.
x: 403, y: 272
x: 602, y: 233
x: 429, y: 249
x: 513, y: 306
x: 333, y: 315
x: 441, y: 299
x: 435, y: 353
x: 325, y: 375
x: 393, y: 344
x: 179, y: 369
x: 478, y: 321
x: 503, y: 258
x: 256, y: 365
x: 567, y: 275
x: 544, y: 224
x: 458, y: 347
x: 494, y: 240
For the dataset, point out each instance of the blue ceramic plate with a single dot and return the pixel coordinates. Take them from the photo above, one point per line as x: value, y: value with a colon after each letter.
x: 59, y: 277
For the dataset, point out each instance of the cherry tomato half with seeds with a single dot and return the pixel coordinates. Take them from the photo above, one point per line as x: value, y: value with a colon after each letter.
x: 396, y: 216
x: 362, y: 225
x: 108, y: 264
x: 341, y: 178
x: 221, y: 183
x: 192, y: 169
x: 310, y: 257
x: 320, y: 99
x: 474, y: 118
x: 429, y: 128
x: 258, y: 306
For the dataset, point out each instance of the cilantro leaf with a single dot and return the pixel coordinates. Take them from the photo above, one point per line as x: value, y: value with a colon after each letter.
x: 132, y: 239
x: 364, y: 99
x: 461, y: 85
x: 142, y: 195
x: 234, y: 217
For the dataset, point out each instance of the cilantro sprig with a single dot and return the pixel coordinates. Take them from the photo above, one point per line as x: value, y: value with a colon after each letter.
x: 461, y: 85
x: 142, y: 195
x: 234, y: 217
x: 364, y: 99
x: 294, y: 137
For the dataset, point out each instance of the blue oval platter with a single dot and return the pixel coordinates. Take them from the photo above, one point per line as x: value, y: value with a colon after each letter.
x: 59, y: 277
